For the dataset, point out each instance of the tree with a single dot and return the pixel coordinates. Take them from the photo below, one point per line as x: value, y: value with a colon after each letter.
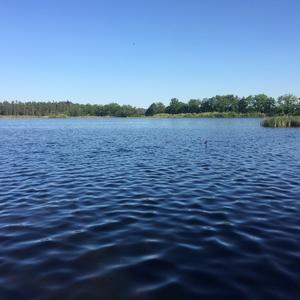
x: 176, y: 107
x: 194, y: 106
x: 67, y: 108
x: 155, y: 108
x: 226, y: 103
x: 263, y: 103
x: 288, y: 104
x: 208, y: 105
x: 243, y: 105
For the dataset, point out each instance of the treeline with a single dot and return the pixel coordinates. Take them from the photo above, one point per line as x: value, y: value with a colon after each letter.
x: 67, y: 108
x: 261, y: 104
x: 286, y: 104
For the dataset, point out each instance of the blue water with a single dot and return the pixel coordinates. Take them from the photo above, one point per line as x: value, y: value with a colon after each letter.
x: 149, y: 209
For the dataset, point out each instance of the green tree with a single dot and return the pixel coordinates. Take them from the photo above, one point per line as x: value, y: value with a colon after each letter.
x: 194, y: 106
x: 226, y: 103
x: 288, y: 104
x: 176, y: 107
x: 243, y: 105
x: 155, y: 108
x: 207, y: 105
x: 263, y: 103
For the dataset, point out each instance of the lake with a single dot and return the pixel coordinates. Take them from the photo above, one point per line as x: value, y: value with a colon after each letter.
x: 149, y: 209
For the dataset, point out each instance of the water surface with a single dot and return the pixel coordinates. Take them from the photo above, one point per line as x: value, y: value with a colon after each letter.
x: 149, y: 209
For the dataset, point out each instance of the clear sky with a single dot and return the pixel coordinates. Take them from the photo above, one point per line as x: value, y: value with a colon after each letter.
x: 138, y: 51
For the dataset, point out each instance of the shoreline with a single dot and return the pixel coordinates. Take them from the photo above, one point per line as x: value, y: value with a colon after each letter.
x: 158, y: 116
x: 275, y: 121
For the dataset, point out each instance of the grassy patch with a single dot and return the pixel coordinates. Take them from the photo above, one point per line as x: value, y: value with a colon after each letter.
x: 57, y: 116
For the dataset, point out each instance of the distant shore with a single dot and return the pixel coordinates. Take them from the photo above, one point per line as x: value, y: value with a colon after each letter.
x: 53, y: 117
x: 210, y: 115
x: 157, y: 116
x: 276, y: 121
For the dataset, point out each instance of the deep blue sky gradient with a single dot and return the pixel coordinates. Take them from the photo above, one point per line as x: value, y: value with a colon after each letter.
x: 139, y: 51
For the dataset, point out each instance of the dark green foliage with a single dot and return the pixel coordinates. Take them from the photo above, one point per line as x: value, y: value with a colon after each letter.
x: 288, y: 104
x: 259, y: 104
x: 243, y: 105
x: 264, y: 104
x: 226, y: 103
x: 251, y: 105
x: 68, y: 109
x: 194, y: 106
x: 176, y: 107
x: 155, y: 108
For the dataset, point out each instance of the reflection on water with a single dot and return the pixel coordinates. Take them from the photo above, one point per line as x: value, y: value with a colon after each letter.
x: 149, y: 209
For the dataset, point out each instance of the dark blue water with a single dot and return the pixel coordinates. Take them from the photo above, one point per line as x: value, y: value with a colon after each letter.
x: 149, y: 209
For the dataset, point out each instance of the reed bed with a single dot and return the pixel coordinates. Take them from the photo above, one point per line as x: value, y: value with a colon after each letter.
x: 282, y: 121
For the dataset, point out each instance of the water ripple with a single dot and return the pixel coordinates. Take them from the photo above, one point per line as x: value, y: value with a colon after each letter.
x: 142, y: 209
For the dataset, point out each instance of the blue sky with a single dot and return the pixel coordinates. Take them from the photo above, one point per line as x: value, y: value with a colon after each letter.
x: 139, y: 51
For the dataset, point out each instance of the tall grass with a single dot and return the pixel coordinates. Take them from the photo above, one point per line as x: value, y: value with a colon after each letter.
x: 282, y: 121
